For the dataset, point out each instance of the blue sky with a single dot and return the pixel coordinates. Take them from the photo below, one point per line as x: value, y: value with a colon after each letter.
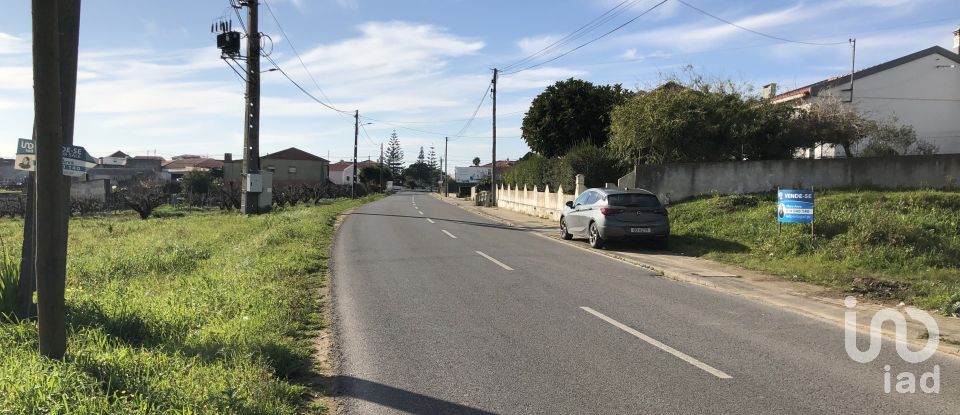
x: 151, y: 79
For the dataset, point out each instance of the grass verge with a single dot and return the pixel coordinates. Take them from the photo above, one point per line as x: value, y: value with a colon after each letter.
x: 889, y: 245
x: 204, y: 313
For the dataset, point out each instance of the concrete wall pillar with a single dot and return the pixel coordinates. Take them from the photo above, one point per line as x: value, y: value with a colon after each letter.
x: 581, y: 185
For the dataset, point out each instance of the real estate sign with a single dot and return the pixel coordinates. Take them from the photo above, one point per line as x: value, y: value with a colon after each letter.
x: 795, y: 206
x: 76, y: 160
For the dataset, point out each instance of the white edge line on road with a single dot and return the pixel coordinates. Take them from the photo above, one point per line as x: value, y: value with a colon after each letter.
x: 501, y: 264
x: 430, y: 220
x: 682, y: 356
x: 448, y: 234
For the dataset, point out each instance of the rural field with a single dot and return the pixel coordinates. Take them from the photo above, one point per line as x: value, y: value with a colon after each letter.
x: 190, y: 313
x: 890, y: 245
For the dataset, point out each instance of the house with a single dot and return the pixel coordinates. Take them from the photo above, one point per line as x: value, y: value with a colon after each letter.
x: 9, y: 175
x: 921, y: 89
x: 503, y: 166
x: 142, y: 166
x: 180, y: 166
x: 290, y: 166
x: 341, y: 172
x: 118, y: 158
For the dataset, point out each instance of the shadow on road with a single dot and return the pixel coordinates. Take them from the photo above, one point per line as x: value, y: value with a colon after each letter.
x: 464, y: 222
x: 399, y: 399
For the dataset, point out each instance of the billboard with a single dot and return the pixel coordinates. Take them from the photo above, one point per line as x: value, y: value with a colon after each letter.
x: 794, y: 206
x: 76, y: 160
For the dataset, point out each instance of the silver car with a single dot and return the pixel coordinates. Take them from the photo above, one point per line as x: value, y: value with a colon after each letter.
x: 607, y: 214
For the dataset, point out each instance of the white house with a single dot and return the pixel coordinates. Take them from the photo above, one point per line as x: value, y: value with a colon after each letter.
x: 921, y: 89
x: 342, y: 172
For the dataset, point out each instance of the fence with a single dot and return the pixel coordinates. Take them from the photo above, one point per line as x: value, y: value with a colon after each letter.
x: 545, y: 204
x: 674, y: 182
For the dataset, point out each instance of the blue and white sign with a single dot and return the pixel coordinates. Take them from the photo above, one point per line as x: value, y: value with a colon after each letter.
x: 795, y: 206
x: 76, y: 160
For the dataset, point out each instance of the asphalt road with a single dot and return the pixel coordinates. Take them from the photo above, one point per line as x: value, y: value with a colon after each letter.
x: 438, y: 310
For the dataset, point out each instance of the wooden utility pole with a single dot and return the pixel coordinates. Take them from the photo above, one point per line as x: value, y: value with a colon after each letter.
x: 68, y: 16
x: 383, y: 189
x: 446, y: 166
x: 493, y: 161
x: 356, y: 137
x: 250, y: 201
x: 51, y: 214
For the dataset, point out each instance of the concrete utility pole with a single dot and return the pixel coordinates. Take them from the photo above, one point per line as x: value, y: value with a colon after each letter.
x: 383, y: 189
x: 853, y: 66
x: 493, y: 161
x: 250, y: 201
x: 446, y: 166
x: 356, y: 137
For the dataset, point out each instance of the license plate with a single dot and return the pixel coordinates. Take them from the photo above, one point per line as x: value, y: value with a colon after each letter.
x: 641, y: 230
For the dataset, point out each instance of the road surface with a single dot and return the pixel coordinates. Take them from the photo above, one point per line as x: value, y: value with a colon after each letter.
x: 437, y: 310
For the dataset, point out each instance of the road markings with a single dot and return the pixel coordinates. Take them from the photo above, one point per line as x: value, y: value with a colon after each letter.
x: 448, y: 234
x: 501, y: 264
x: 430, y: 220
x: 682, y: 356
x: 420, y: 212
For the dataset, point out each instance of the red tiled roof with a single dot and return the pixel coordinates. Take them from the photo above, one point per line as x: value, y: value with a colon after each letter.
x: 343, y: 165
x: 292, y: 153
x: 202, y: 163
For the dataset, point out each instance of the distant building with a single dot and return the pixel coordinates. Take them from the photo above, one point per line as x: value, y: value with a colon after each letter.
x: 145, y: 166
x: 180, y: 166
x: 503, y: 166
x: 921, y: 89
x: 341, y: 172
x: 289, y: 166
x: 9, y: 175
x: 116, y: 159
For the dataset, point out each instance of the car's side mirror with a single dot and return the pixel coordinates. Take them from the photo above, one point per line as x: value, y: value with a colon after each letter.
x: 570, y: 204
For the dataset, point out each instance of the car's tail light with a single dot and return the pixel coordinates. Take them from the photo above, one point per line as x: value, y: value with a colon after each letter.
x: 610, y: 211
x: 660, y: 211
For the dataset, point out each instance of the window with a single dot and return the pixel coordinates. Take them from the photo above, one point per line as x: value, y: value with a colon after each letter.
x: 593, y: 198
x: 348, y: 178
x: 271, y: 169
x: 582, y: 199
x: 634, y: 200
x: 292, y: 170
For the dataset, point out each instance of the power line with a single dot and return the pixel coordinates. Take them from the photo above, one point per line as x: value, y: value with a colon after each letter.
x: 301, y: 88
x: 576, y: 34
x: 588, y: 42
x: 713, y: 16
x: 294, y: 49
x: 474, y: 116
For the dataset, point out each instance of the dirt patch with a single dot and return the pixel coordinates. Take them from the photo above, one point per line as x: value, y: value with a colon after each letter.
x: 880, y: 289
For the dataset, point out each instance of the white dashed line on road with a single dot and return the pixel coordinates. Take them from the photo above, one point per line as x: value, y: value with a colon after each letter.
x: 430, y: 220
x: 448, y: 234
x: 420, y: 212
x: 682, y: 356
x: 501, y: 264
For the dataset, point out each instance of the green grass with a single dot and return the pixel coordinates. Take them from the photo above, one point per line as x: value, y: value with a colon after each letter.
x: 902, y: 245
x: 204, y: 313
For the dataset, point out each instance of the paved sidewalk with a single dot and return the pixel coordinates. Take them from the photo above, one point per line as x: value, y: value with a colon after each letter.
x: 807, y: 299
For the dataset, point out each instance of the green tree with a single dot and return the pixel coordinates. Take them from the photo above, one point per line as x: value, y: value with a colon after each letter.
x: 571, y: 112
x: 889, y: 138
x: 703, y: 122
x: 394, y: 156
x: 421, y: 158
x: 372, y: 174
x: 476, y: 161
x: 196, y: 186
x: 419, y: 173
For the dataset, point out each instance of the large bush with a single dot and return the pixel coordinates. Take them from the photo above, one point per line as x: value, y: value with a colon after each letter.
x: 598, y: 164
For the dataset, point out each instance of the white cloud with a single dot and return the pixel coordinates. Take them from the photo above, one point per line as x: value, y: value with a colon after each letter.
x: 10, y: 44
x: 534, y: 44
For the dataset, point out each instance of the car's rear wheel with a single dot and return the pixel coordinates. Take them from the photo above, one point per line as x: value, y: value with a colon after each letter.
x: 564, y: 233
x: 595, y: 240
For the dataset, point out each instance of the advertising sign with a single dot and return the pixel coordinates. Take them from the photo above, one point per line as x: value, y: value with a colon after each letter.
x: 795, y: 206
x: 76, y: 160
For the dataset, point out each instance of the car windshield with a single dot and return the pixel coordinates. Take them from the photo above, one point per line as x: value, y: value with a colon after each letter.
x: 633, y: 200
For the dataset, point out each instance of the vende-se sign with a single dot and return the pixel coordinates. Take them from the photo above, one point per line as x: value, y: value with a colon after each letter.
x: 795, y: 206
x: 76, y: 160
